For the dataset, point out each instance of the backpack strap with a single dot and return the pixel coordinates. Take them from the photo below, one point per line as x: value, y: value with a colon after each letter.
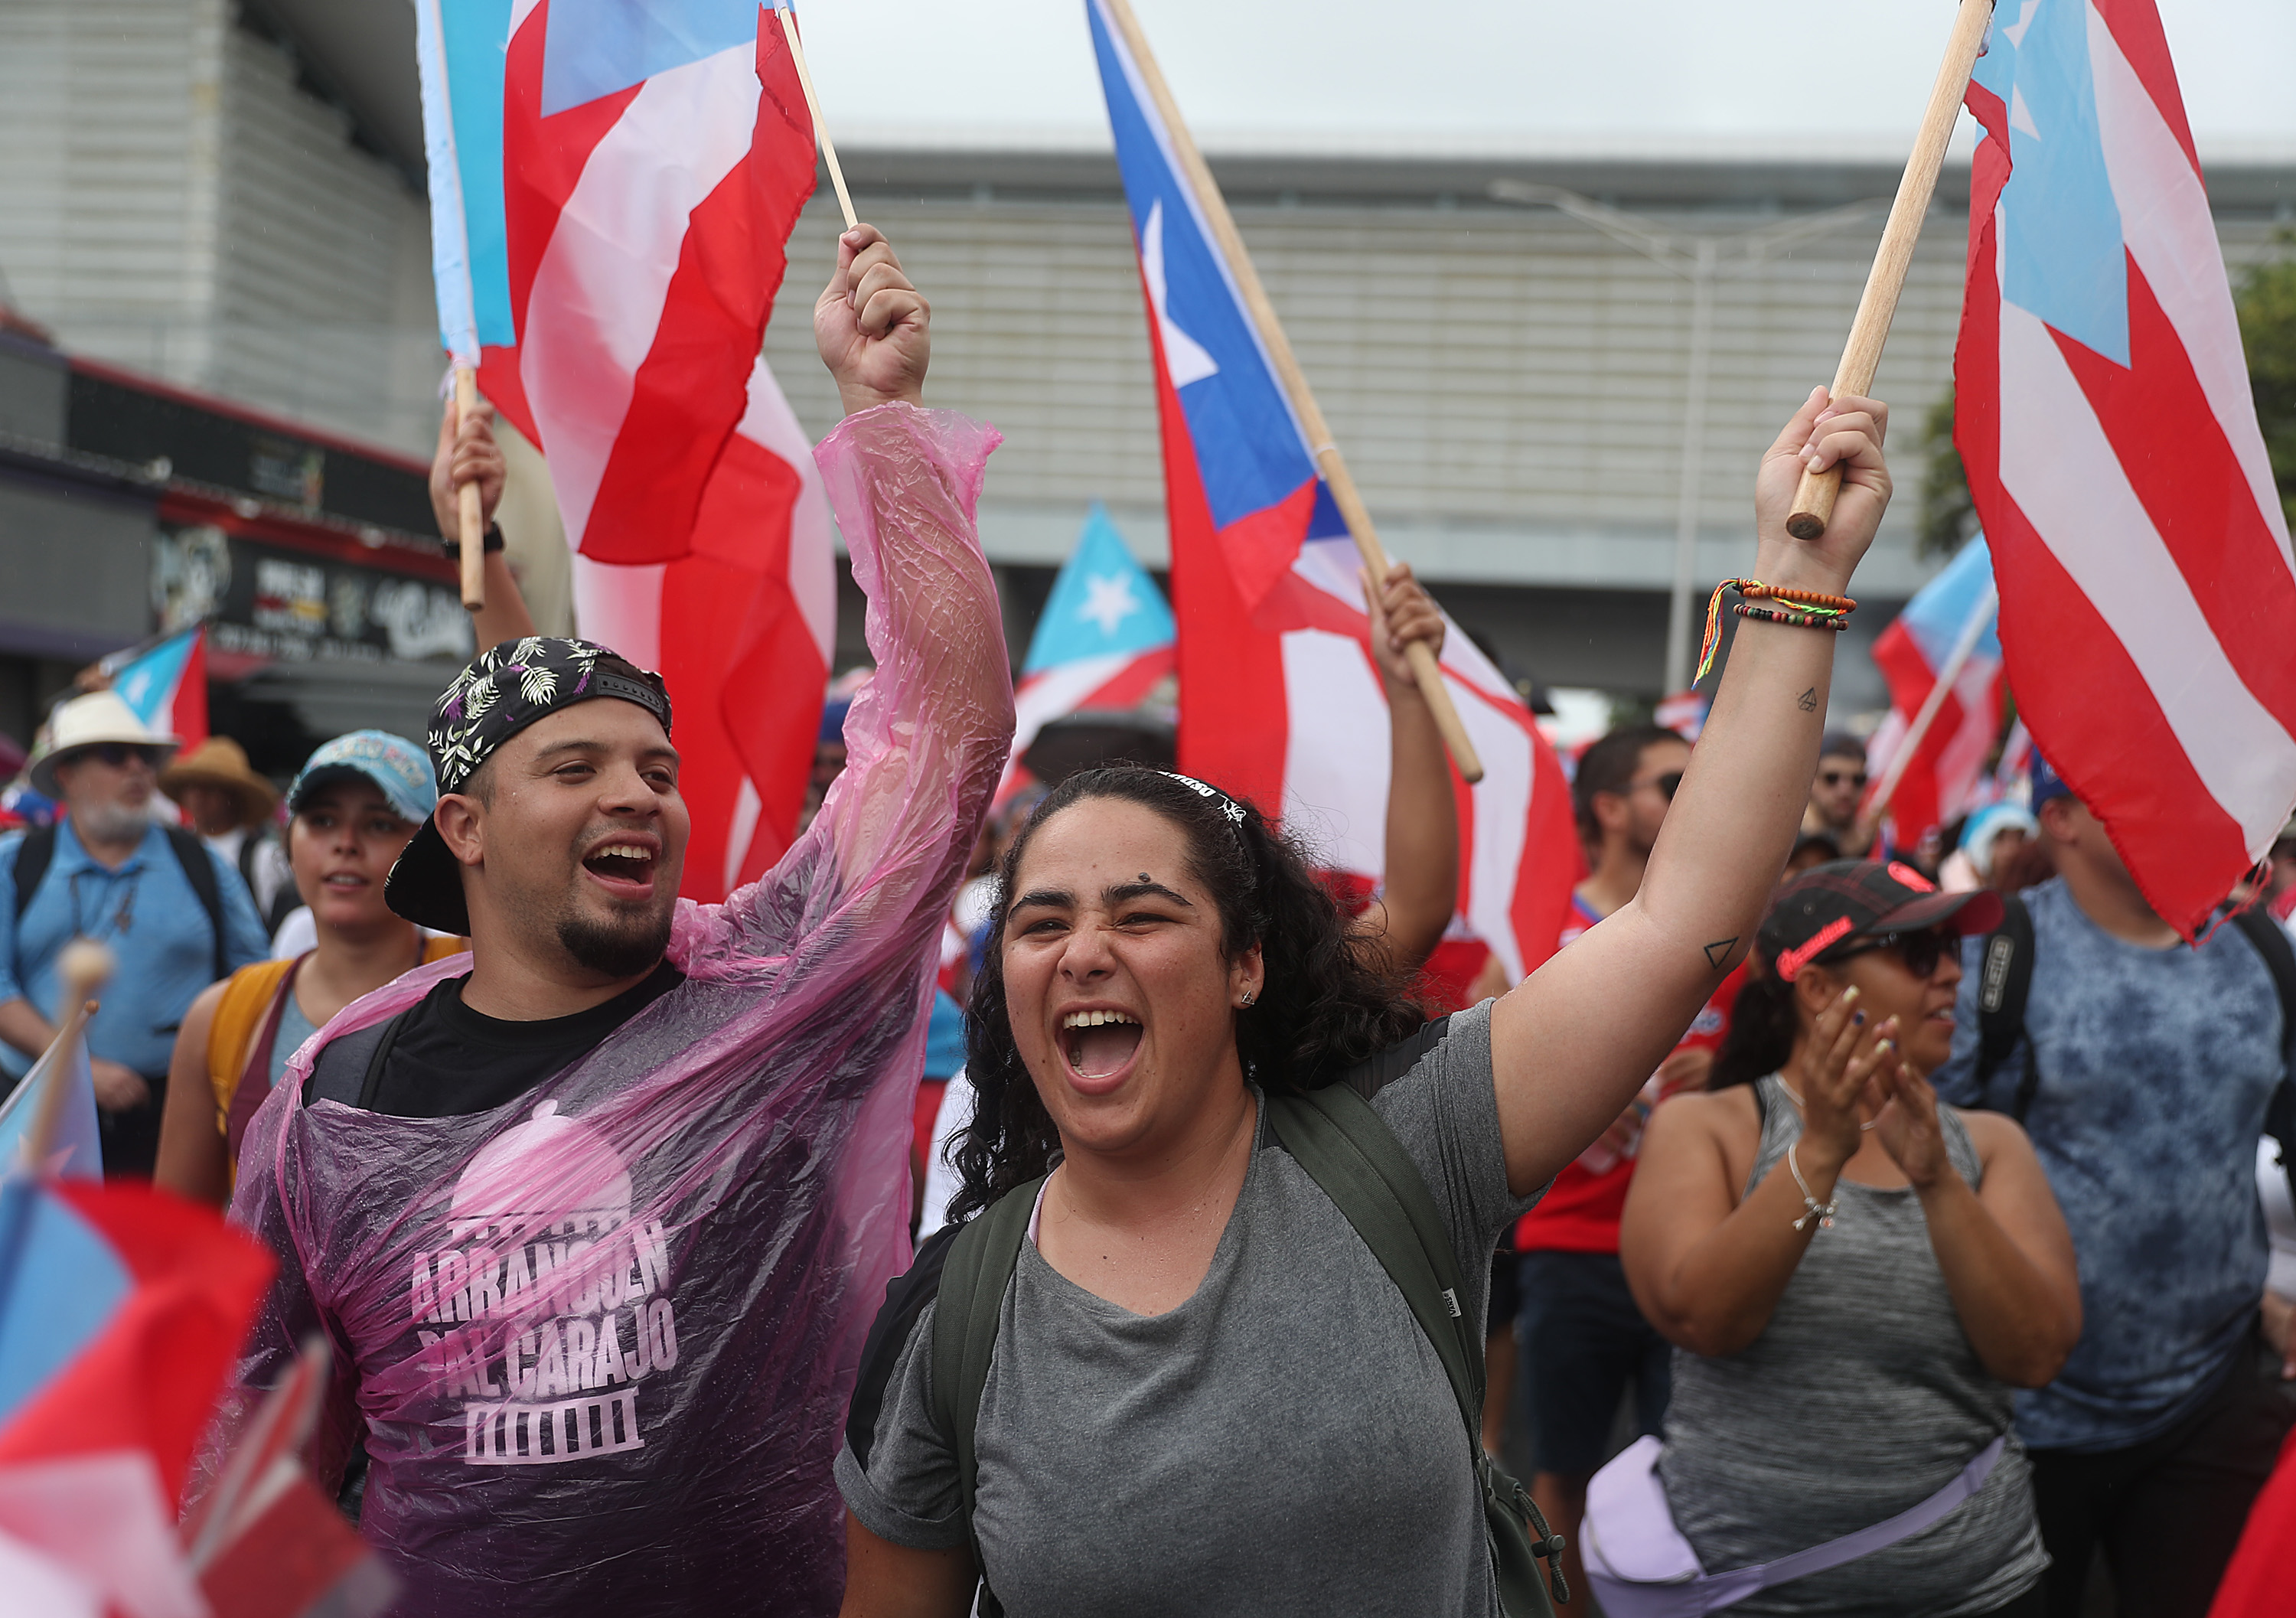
x: 2005, y: 985
x: 906, y: 1297
x: 250, y: 996
x: 1349, y: 1151
x: 2271, y: 942
x: 974, y: 1275
x: 33, y: 856
x: 198, y: 870
x: 349, y: 1066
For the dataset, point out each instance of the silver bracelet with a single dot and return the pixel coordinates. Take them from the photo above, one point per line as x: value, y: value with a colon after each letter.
x: 1822, y: 1213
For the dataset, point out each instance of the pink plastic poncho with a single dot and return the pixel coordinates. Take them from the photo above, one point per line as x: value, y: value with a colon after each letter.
x: 603, y: 1339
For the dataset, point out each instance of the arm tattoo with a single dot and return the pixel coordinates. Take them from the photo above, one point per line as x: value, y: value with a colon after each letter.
x: 1717, y: 953
x: 1807, y: 701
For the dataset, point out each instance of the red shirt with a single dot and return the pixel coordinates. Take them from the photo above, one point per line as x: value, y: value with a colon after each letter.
x: 1581, y: 1214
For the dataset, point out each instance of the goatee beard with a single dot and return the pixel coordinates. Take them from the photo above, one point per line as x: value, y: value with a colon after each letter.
x: 628, y: 950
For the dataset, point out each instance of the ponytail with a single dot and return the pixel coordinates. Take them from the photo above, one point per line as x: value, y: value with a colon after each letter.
x: 1760, y: 1037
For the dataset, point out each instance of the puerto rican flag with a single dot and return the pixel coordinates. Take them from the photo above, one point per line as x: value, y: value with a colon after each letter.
x: 121, y: 1310
x: 1279, y: 700
x: 743, y: 629
x: 613, y: 184
x: 2111, y: 445
x: 1103, y: 640
x: 1941, y: 779
x: 166, y: 683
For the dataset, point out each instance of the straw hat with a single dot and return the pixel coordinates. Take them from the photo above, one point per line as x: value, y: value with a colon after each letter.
x: 220, y: 761
x: 101, y: 716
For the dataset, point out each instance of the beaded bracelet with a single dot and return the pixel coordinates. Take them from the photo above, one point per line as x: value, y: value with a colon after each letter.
x: 1754, y: 589
x: 1800, y: 621
x: 1814, y: 606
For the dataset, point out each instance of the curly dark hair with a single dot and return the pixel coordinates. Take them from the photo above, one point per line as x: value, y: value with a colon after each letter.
x: 1331, y: 998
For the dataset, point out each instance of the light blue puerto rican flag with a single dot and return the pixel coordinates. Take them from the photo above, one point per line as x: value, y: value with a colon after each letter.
x: 1104, y: 640
x: 166, y: 683
x: 1942, y: 776
x: 2112, y: 444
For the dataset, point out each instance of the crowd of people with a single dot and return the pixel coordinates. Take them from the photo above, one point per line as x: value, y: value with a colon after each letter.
x: 1822, y: 1229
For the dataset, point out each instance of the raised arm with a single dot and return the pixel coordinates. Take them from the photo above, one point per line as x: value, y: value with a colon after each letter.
x: 470, y: 454
x: 927, y: 736
x: 1573, y: 1044
x: 1421, y: 887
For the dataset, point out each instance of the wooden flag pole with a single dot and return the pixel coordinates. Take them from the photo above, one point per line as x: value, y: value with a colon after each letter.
x: 1328, y: 459
x: 470, y: 518
x: 1971, y: 631
x: 1813, y: 506
x: 788, y: 14
x: 83, y: 967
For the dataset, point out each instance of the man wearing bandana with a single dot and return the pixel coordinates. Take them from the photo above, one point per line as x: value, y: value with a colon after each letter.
x: 594, y: 1217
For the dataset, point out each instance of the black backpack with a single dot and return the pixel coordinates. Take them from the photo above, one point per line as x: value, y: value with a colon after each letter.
x: 1349, y: 1151
x: 38, y: 849
x: 2006, y: 982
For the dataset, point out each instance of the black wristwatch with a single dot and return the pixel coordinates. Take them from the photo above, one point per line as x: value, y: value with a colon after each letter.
x: 494, y: 542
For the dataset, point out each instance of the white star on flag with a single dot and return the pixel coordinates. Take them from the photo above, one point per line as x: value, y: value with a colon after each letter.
x: 1109, y: 601
x: 1185, y: 357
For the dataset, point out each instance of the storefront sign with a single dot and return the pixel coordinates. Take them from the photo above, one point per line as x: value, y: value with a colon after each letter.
x: 269, y: 602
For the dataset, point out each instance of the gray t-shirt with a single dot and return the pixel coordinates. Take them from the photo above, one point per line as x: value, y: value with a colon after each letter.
x: 1283, y: 1441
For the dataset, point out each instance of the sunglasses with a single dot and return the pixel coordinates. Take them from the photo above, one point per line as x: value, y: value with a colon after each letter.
x: 1668, y: 784
x: 118, y: 755
x: 1921, y: 951
x: 1835, y: 777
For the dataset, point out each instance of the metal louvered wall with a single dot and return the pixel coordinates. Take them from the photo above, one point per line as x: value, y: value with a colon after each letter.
x: 172, y: 199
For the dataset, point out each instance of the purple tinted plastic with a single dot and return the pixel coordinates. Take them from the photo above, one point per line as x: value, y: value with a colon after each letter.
x: 601, y: 1340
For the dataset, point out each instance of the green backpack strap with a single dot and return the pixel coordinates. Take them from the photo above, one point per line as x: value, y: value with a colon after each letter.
x: 1349, y: 1151
x: 966, y: 1315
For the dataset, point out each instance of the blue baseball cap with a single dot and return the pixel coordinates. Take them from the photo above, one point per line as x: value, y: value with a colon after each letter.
x: 394, y: 765
x: 2046, y: 783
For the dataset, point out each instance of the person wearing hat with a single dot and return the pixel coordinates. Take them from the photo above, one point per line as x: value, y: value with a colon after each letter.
x: 1854, y: 1275
x: 351, y: 810
x: 230, y: 806
x: 2146, y: 1070
x: 597, y: 1213
x: 175, y: 917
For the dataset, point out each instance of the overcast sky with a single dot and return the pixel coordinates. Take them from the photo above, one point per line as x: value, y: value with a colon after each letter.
x: 1486, y: 75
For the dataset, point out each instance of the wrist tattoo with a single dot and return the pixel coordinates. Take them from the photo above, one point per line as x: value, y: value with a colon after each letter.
x: 1717, y: 953
x: 1807, y: 701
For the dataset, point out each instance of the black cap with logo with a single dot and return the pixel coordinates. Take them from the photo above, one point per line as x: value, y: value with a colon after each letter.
x: 498, y: 694
x: 1832, y: 910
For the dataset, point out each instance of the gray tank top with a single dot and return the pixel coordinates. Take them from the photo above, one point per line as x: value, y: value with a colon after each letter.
x: 1861, y: 1398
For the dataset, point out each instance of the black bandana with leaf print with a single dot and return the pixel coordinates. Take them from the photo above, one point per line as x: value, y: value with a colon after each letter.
x: 502, y: 691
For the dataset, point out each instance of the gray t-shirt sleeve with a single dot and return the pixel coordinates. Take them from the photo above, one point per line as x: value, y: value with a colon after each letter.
x: 1446, y: 1113
x: 908, y: 1492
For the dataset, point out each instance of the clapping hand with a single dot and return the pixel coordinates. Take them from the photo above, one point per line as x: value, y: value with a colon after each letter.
x: 1908, y: 1126
x: 1836, y: 1081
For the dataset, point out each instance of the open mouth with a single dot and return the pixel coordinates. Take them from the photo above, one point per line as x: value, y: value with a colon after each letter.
x: 1098, y: 1044
x: 622, y: 868
x: 347, y: 881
